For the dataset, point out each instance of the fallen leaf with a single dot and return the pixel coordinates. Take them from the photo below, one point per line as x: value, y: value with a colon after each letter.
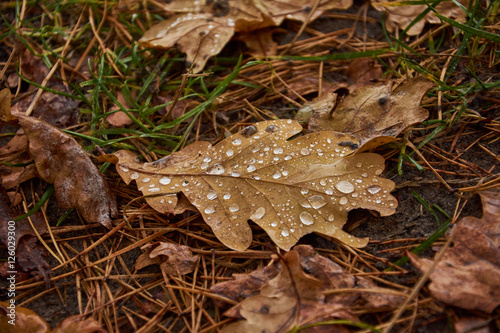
x: 173, y: 259
x: 293, y: 298
x: 5, y: 97
x: 24, y: 320
x: 204, y: 27
x: 374, y: 113
x: 119, y: 118
x: 78, y: 324
x: 259, y: 43
x: 289, y: 188
x: 60, y: 160
x: 30, y: 254
x: 468, y: 276
x: 401, y: 16
x: 363, y: 71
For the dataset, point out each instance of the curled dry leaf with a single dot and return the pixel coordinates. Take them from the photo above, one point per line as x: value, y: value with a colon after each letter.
x: 402, y: 15
x: 173, y: 259
x: 291, y: 298
x: 289, y: 188
x: 5, y: 98
x: 374, y: 113
x: 204, y: 27
x: 60, y: 160
x: 468, y: 276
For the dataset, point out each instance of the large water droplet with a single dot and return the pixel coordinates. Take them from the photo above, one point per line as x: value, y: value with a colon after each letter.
x: 124, y: 168
x: 304, y: 190
x: 274, y: 224
x: 154, y: 189
x: 364, y: 175
x: 227, y: 196
x: 345, y: 187
x: 145, y: 180
x: 258, y: 214
x: 317, y: 201
x: 304, y: 151
x: 323, y: 182
x: 249, y: 131
x: 278, y: 150
x: 272, y: 128
x: 134, y: 175
x: 277, y: 175
x: 251, y: 168
x: 215, y: 169
x: 209, y: 210
x: 165, y: 180
x: 331, y: 218
x: 285, y: 173
x: 329, y: 191
x: 343, y: 201
x: 207, y: 159
x: 306, y: 218
x: 285, y: 233
x: 229, y: 152
x: 305, y: 204
x: 236, y: 142
x: 211, y: 195
x: 234, y: 208
x: 288, y: 157
x: 374, y: 189
x: 235, y: 174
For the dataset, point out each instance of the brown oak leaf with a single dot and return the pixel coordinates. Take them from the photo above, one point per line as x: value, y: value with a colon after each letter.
x: 173, y: 259
x: 78, y: 183
x: 374, y: 113
x: 289, y: 188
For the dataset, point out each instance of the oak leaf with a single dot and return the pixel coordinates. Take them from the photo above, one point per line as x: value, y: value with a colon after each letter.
x: 173, y: 259
x: 202, y: 28
x: 468, y: 276
x: 289, y: 188
x: 374, y: 113
x: 293, y: 298
x: 60, y: 160
x: 401, y: 16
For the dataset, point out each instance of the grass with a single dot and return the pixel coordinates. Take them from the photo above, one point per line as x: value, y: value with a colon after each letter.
x: 92, y: 55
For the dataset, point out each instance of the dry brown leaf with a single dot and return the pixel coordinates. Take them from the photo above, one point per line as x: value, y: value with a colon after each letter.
x: 289, y: 188
x: 78, y: 324
x: 374, y: 113
x: 173, y: 259
x: 468, y: 276
x: 60, y: 160
x: 292, y: 298
x: 259, y: 43
x: 402, y: 15
x: 5, y: 98
x: 204, y: 27
x: 24, y: 320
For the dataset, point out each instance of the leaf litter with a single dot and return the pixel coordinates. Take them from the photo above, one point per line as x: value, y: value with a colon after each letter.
x: 289, y: 188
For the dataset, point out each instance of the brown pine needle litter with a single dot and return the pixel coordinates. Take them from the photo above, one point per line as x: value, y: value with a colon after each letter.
x: 83, y: 70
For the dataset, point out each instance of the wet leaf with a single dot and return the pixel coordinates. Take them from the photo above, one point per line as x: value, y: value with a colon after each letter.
x: 60, y: 160
x: 468, y: 276
x: 293, y: 298
x: 400, y: 16
x: 289, y: 188
x: 173, y: 259
x: 374, y: 113
x: 25, y: 320
x: 204, y: 27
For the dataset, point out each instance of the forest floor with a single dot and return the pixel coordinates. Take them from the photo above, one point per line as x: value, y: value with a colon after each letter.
x: 79, y: 64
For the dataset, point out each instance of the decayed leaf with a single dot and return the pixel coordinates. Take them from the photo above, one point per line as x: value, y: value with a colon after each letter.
x: 24, y: 320
x: 402, y: 15
x: 173, y: 259
x: 60, y: 160
x: 204, y: 27
x: 5, y: 97
x: 289, y: 188
x: 468, y: 276
x: 374, y: 113
x: 293, y: 298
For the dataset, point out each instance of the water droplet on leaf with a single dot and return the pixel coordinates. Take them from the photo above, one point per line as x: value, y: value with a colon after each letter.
x: 317, y: 201
x: 345, y: 187
x: 306, y: 218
